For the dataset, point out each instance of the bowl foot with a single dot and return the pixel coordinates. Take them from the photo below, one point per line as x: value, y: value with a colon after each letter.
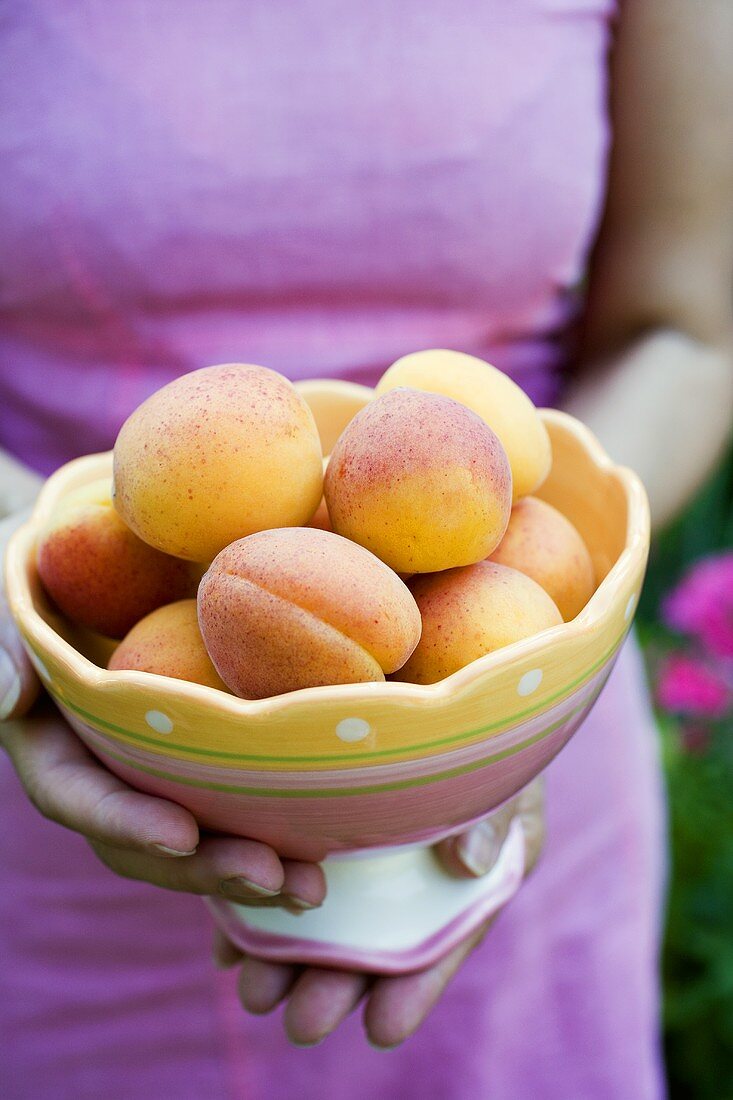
x: 387, y: 910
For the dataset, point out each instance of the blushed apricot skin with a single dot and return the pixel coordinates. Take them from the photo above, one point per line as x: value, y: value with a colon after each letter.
x: 321, y: 518
x: 421, y: 481
x: 100, y: 574
x: 493, y: 396
x: 299, y: 607
x: 467, y: 613
x: 544, y: 545
x: 169, y: 643
x: 215, y: 455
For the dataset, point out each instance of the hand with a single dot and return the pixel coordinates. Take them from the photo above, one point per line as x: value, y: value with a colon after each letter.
x: 319, y: 999
x: 135, y: 835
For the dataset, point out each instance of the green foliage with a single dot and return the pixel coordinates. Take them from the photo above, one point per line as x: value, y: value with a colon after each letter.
x: 698, y: 954
x: 698, y: 949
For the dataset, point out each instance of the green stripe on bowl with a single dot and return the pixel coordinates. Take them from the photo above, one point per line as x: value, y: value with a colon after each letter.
x: 341, y: 758
x: 345, y: 792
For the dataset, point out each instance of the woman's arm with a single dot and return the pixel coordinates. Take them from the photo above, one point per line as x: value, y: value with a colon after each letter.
x: 657, y: 378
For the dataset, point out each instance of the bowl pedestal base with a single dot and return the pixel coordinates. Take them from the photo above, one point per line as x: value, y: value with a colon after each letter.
x: 388, y: 910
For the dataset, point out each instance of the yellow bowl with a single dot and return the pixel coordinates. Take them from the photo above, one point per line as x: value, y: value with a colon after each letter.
x: 336, y: 768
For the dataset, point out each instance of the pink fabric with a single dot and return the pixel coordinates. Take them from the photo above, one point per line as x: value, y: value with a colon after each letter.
x: 319, y: 187
x: 107, y: 986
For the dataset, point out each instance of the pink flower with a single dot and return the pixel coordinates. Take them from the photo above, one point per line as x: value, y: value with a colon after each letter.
x: 702, y: 604
x: 687, y: 686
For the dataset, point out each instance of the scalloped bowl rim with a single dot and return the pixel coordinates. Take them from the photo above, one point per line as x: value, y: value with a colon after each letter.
x: 92, y: 676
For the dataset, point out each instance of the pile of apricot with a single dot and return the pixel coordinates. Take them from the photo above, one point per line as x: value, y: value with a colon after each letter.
x: 221, y: 553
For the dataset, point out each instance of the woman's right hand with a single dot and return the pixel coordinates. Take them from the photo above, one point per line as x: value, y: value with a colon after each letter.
x: 136, y: 835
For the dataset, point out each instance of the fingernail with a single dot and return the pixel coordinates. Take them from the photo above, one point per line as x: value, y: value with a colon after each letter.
x: 240, y: 887
x: 300, y: 903
x: 164, y: 850
x: 9, y: 685
x: 305, y: 1046
x: 378, y: 1046
x: 479, y: 848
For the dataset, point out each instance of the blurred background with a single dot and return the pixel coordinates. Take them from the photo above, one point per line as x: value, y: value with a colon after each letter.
x: 685, y: 622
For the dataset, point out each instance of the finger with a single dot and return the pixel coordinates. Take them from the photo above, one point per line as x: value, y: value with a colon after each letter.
x: 304, y: 885
x: 244, y: 871
x: 320, y: 1000
x: 474, y: 852
x: 68, y: 786
x: 263, y: 985
x: 224, y: 953
x: 397, y: 1006
x: 19, y: 685
x: 531, y: 811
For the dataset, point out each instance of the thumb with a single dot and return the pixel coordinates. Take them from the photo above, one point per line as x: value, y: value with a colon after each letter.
x: 474, y: 852
x: 19, y: 685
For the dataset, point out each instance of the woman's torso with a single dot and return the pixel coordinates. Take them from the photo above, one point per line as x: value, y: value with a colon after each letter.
x: 317, y: 187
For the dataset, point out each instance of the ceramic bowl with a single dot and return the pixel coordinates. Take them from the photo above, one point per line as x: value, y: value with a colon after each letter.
x: 331, y: 769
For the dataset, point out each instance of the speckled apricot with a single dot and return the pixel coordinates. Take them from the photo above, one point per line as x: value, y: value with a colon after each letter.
x: 100, y: 574
x: 169, y: 643
x: 467, y: 613
x: 493, y: 396
x: 421, y: 481
x: 299, y: 607
x: 542, y: 543
x: 215, y: 455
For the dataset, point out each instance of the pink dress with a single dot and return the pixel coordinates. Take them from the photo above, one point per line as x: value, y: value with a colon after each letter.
x: 319, y: 187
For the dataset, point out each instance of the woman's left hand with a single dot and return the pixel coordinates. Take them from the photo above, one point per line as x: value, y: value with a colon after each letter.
x: 318, y: 999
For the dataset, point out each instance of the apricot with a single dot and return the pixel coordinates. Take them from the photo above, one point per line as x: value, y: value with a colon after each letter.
x: 544, y: 545
x: 321, y: 519
x: 421, y: 481
x: 493, y: 396
x: 299, y: 607
x: 168, y: 641
x: 469, y: 612
x: 100, y: 574
x: 215, y: 455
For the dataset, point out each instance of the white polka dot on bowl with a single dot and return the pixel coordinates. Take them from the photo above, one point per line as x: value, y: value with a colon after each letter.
x: 159, y: 721
x: 530, y: 682
x: 353, y: 729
